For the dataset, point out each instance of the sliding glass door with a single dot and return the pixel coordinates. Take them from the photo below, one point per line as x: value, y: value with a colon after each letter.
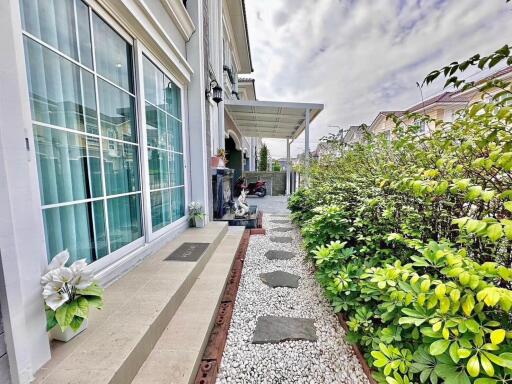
x: 164, y: 146
x: 81, y: 87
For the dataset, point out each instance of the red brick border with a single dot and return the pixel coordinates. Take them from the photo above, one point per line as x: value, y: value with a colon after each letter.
x: 366, y: 369
x: 212, y: 355
x: 258, y: 231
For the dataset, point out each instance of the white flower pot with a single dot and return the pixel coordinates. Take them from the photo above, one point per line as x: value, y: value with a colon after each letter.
x: 68, y: 334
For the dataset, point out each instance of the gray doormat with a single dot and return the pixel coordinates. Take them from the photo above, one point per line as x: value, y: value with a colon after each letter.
x: 188, y: 252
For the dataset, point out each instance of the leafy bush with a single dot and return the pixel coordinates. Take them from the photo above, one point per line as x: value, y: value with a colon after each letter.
x: 412, y: 240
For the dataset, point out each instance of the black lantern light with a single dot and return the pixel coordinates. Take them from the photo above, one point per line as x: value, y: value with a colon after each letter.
x: 215, y: 91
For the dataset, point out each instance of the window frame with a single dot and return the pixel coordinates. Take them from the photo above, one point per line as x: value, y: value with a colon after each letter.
x: 111, y: 260
x: 141, y: 51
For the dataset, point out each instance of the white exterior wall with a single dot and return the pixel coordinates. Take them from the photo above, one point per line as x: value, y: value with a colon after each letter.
x: 22, y: 244
x: 22, y: 241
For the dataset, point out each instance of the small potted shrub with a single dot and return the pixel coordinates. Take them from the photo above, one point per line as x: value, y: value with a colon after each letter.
x: 69, y: 293
x: 195, y: 214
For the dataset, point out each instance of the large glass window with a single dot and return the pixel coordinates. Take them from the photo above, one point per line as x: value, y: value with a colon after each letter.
x: 165, y: 146
x: 80, y: 75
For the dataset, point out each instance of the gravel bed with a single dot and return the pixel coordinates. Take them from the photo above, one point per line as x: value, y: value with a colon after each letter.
x: 329, y: 360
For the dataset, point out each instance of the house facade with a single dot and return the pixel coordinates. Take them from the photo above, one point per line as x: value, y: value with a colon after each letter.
x: 440, y: 107
x: 108, y: 130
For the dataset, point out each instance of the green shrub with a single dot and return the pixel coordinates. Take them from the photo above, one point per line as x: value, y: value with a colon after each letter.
x: 412, y: 241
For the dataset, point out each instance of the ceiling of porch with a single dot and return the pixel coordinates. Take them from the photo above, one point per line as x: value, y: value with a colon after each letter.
x: 271, y: 119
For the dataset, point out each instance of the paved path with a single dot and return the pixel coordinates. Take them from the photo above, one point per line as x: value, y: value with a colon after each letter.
x: 314, y: 350
x: 270, y: 204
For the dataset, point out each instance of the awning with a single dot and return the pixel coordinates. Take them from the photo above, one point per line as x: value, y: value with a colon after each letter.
x: 271, y: 119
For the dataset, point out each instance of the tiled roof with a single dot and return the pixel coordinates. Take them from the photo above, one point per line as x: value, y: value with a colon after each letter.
x: 500, y: 73
x: 445, y: 97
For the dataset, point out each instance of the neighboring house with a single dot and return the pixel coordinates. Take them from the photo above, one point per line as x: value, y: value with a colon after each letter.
x: 325, y: 148
x: 504, y: 74
x: 440, y: 107
x: 355, y: 134
x: 382, y: 125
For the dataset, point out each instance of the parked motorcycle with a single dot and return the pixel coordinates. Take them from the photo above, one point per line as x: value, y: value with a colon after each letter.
x: 259, y: 188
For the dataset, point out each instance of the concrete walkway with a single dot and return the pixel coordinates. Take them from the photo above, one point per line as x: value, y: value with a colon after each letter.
x: 270, y: 204
x: 286, y: 333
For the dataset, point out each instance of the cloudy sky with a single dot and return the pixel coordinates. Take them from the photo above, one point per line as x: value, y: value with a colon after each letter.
x: 361, y: 56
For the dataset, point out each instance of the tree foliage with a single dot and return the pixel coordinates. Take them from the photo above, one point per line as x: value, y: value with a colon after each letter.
x: 263, y: 164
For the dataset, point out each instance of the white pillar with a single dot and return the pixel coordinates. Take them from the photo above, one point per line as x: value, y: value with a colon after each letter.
x: 306, y: 144
x: 22, y: 244
x: 199, y: 159
x: 288, y: 167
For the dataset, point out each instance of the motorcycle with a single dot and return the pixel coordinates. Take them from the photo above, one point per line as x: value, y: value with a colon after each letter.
x: 259, y: 188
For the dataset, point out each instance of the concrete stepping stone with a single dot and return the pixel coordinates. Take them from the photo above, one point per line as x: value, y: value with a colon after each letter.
x: 282, y: 229
x: 280, y: 239
x: 280, y: 221
x: 279, y: 279
x: 275, y: 254
x: 276, y: 329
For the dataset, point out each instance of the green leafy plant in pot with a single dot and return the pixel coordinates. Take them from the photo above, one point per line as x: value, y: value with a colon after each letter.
x: 195, y: 213
x: 69, y: 293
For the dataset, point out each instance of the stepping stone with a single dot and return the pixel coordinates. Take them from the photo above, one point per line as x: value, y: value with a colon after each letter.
x: 279, y: 239
x: 278, y: 279
x: 275, y: 329
x: 275, y: 254
x: 282, y: 229
x: 280, y: 221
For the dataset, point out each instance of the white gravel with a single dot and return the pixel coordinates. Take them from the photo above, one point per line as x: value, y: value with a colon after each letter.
x: 329, y: 360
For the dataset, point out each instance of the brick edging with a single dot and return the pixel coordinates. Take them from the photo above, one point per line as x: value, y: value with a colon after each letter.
x: 366, y: 369
x: 212, y: 355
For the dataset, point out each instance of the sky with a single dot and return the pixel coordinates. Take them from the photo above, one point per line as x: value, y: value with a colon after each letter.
x: 359, y: 57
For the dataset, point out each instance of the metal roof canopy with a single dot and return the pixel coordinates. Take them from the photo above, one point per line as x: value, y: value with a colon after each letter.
x: 275, y: 120
x: 271, y: 119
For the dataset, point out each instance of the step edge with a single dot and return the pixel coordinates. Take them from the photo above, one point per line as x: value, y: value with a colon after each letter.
x: 145, y: 346
x: 239, y: 235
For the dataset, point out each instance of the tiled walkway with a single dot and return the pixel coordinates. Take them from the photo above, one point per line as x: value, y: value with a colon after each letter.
x: 281, y: 332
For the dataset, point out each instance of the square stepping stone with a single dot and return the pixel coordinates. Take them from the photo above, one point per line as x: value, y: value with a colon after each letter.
x: 282, y: 229
x: 275, y: 254
x: 280, y: 221
x: 278, y: 279
x: 276, y: 329
x: 280, y: 239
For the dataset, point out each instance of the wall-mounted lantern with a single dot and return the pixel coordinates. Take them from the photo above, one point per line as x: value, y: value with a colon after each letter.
x: 215, y: 91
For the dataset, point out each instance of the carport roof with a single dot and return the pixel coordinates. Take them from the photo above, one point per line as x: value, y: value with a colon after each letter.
x: 271, y: 119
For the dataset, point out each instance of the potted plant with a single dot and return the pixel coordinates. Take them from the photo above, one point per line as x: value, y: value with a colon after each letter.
x: 69, y: 293
x: 195, y: 214
x: 220, y: 160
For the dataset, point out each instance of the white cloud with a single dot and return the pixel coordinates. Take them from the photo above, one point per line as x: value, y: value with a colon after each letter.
x: 359, y: 57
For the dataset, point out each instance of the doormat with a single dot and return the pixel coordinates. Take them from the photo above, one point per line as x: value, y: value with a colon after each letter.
x: 188, y: 252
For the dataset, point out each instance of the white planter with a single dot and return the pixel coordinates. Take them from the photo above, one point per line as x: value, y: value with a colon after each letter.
x: 199, y: 223
x: 68, y: 334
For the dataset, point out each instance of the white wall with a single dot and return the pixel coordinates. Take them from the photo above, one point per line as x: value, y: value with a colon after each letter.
x: 21, y: 229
